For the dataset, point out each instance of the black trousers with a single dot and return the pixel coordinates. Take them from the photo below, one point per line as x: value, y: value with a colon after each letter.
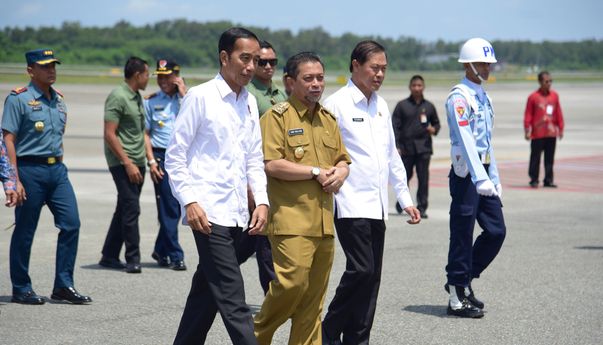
x: 537, y: 146
x: 260, y: 245
x: 421, y: 163
x: 352, y: 310
x: 217, y: 287
x: 124, y: 225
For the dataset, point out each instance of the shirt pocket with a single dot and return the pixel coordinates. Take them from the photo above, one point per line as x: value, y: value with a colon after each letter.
x: 298, y: 149
x: 38, y: 121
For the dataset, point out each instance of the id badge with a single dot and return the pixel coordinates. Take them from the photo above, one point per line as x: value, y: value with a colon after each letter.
x: 423, y: 118
x: 549, y: 110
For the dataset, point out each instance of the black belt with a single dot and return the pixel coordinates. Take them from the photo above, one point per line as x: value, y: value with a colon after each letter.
x: 158, y: 149
x: 41, y: 160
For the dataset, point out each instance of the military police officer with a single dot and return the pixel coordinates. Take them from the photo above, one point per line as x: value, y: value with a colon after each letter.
x: 161, y: 109
x: 474, y: 181
x: 33, y: 125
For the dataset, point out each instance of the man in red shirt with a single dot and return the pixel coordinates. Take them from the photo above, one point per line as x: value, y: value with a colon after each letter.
x: 543, y: 123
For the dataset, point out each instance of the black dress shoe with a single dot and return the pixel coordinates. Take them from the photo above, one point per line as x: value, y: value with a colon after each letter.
x: 161, y: 261
x: 70, y: 295
x: 30, y: 297
x: 534, y: 184
x: 133, y: 268
x: 399, y: 208
x: 178, y: 265
x: 550, y: 185
x: 424, y: 215
x: 473, y: 300
x: 470, y: 297
x: 111, y: 263
x: 467, y: 310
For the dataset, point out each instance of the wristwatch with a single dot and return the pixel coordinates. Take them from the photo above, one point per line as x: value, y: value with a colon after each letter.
x: 315, y: 172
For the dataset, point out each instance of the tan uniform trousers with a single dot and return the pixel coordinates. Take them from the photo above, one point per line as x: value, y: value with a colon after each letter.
x: 302, y: 265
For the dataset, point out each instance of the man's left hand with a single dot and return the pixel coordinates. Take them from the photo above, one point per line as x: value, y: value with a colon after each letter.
x: 415, y: 215
x: 259, y: 218
x: 335, y: 178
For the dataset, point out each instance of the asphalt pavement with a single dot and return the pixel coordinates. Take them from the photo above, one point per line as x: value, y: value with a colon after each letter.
x: 545, y: 286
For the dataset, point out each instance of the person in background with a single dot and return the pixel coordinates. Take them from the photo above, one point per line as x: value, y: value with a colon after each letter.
x: 543, y: 123
x: 125, y: 155
x: 33, y: 125
x: 161, y: 109
x: 415, y: 121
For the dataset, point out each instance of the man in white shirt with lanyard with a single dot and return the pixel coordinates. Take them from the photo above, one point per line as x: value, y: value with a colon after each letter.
x: 362, y: 202
x: 215, y: 152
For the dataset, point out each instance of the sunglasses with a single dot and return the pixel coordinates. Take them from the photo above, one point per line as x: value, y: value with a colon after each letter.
x: 264, y: 62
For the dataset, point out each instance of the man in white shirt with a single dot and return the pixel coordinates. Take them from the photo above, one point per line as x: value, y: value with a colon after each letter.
x: 214, y: 153
x: 362, y: 202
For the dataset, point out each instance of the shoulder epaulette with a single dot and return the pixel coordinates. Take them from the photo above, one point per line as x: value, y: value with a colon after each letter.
x: 59, y: 93
x: 280, y: 108
x: 19, y: 90
x: 151, y: 95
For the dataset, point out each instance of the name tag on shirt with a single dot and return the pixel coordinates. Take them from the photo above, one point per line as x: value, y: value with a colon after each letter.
x: 158, y: 107
x: 423, y: 118
x: 549, y: 109
x: 296, y: 131
x: 358, y: 119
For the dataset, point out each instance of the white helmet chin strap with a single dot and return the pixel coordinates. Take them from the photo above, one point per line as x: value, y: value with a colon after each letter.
x: 475, y: 72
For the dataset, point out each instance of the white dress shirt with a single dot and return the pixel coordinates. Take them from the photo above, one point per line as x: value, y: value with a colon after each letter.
x: 368, y: 135
x: 215, y: 151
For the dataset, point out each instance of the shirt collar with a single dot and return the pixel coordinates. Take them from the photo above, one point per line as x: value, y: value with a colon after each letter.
x: 476, y: 88
x: 129, y: 91
x: 411, y: 99
x: 259, y: 85
x: 162, y: 94
x: 37, y: 93
x: 357, y: 95
x: 225, y: 90
x: 301, y: 109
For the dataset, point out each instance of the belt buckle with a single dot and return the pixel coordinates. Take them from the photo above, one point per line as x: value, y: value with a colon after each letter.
x: 51, y: 160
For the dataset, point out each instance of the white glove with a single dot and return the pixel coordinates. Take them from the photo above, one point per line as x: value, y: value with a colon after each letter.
x: 499, y: 190
x: 486, y: 188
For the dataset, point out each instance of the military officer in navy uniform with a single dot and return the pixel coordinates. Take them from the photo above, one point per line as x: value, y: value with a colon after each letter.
x: 33, y: 125
x: 474, y: 181
x: 161, y: 109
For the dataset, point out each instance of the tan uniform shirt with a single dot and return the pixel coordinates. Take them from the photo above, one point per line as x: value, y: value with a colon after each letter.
x: 290, y: 132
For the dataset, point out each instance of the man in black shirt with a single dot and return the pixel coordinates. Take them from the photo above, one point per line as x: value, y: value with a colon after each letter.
x: 415, y: 120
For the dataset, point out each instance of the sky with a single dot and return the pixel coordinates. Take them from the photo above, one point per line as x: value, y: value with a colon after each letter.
x: 428, y: 21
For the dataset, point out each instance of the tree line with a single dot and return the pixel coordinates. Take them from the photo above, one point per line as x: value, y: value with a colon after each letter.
x: 195, y: 44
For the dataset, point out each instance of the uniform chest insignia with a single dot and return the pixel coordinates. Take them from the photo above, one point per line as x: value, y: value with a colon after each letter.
x: 299, y: 152
x: 295, y: 131
x: 39, y: 126
x: 460, y: 111
x: 19, y: 90
x: 33, y: 103
x: 159, y: 107
x: 280, y: 108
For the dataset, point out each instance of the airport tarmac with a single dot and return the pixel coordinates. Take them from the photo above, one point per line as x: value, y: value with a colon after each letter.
x: 543, y: 288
